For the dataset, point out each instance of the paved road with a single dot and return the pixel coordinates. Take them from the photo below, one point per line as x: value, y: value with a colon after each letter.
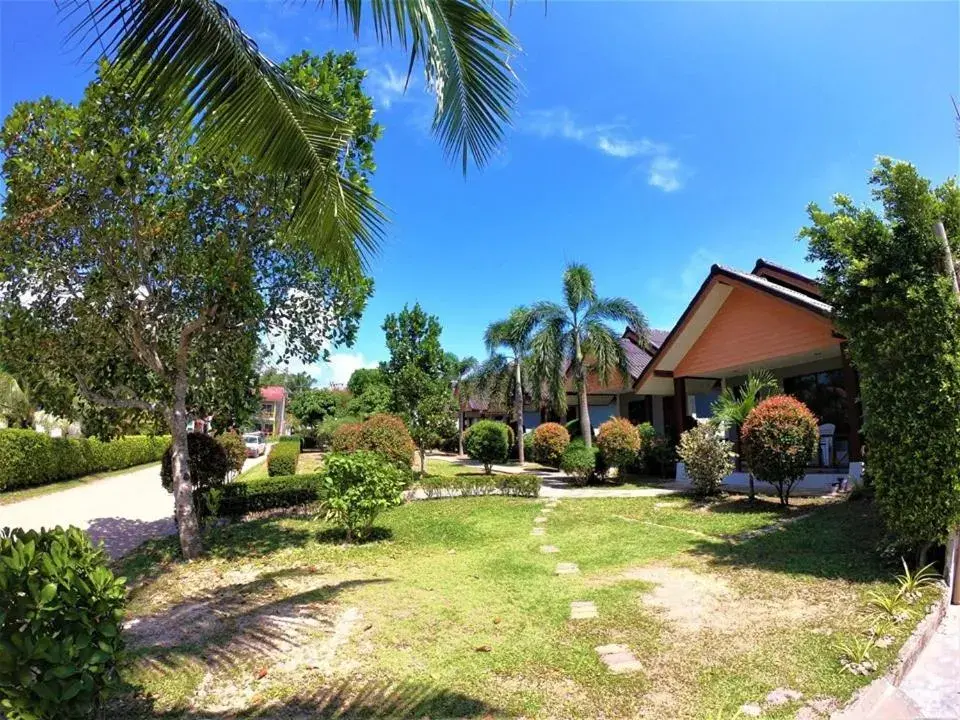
x: 122, y: 511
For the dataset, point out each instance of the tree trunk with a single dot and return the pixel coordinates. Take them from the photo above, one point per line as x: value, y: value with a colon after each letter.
x: 752, y: 494
x: 189, y: 527
x: 581, y: 382
x: 460, y: 448
x: 518, y: 410
x: 423, y: 459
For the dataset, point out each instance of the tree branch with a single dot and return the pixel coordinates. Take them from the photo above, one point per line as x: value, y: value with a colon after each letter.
x: 118, y: 403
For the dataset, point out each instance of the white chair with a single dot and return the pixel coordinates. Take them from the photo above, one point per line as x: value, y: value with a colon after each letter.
x: 826, y: 444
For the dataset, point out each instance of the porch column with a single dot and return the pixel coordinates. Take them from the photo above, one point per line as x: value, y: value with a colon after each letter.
x: 679, y: 407
x: 851, y: 387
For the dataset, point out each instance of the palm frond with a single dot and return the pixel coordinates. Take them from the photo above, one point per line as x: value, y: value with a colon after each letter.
x: 549, y: 350
x: 192, y: 59
x: 578, y: 287
x: 619, y: 310
x: 735, y: 403
x: 604, y: 352
x: 512, y: 333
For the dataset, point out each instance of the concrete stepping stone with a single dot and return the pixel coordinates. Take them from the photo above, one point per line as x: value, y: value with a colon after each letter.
x: 540, y: 519
x: 539, y: 531
x: 547, y: 510
x: 582, y: 610
x: 549, y: 549
x: 618, y: 659
x: 567, y: 568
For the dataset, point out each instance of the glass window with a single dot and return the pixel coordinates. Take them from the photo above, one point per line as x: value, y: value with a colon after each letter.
x: 637, y: 411
x: 824, y: 393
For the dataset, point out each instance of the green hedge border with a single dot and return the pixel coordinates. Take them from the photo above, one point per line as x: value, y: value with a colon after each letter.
x: 282, y: 459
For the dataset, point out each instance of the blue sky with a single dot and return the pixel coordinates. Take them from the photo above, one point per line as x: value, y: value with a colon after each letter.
x: 651, y: 140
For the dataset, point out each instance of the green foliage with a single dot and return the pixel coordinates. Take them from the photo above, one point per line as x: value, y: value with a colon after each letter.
x: 662, y: 457
x: 377, y: 398
x: 528, y: 452
x: 347, y: 438
x: 293, y: 382
x: 15, y: 406
x: 298, y: 439
x: 312, y: 407
x: 324, y: 432
x: 417, y: 375
x: 235, y: 449
x: 388, y: 436
x: 550, y: 441
x: 438, y: 486
x: 735, y: 403
x: 707, y: 456
x: 357, y: 487
x: 779, y: 437
x: 520, y: 485
x: 574, y: 341
x: 282, y: 459
x: 488, y: 442
x: 580, y: 461
x: 29, y: 458
x: 60, y: 617
x: 618, y: 442
x: 856, y: 655
x: 236, y: 499
x: 209, y: 462
x: 364, y: 379
x: 884, y: 274
x: 912, y: 583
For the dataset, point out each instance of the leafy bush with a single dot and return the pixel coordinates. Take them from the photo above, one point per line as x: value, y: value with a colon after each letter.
x: 29, y: 458
x: 648, y: 437
x: 662, y: 457
x: 209, y: 463
x: 323, y: 432
x: 475, y: 484
x: 388, y: 435
x: 528, y: 451
x: 237, y: 499
x: 579, y: 461
x: 346, y: 438
x: 779, y: 437
x: 550, y: 440
x: 235, y: 449
x: 60, y: 618
x: 487, y: 442
x: 521, y: 485
x: 282, y: 459
x: 618, y: 442
x: 357, y: 487
x: 707, y: 456
x: 298, y: 439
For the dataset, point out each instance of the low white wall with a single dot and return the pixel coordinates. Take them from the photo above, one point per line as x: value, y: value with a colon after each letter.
x: 811, y: 481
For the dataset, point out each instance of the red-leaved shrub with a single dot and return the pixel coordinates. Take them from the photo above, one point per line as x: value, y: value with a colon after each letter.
x: 779, y: 439
x: 388, y: 436
x: 346, y: 438
x: 550, y: 441
x: 618, y: 442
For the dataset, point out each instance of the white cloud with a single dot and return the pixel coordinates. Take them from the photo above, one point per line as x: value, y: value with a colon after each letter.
x: 342, y: 365
x: 664, y: 171
x: 272, y: 44
x: 388, y: 86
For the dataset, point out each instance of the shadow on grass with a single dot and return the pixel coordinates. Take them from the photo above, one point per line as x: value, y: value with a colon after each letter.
x: 351, y: 698
x: 339, y: 536
x: 836, y: 541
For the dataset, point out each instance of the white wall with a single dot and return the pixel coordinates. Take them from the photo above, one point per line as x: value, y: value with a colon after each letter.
x: 658, y: 413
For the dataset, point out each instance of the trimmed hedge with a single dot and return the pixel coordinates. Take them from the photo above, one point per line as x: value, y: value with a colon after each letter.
x: 236, y: 499
x: 282, y: 459
x: 521, y: 485
x: 298, y: 439
x: 29, y: 458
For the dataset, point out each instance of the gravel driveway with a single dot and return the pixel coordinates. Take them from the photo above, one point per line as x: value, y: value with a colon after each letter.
x: 123, y: 511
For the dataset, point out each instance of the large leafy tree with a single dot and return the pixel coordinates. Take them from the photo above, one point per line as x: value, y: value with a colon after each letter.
x: 371, y: 393
x: 574, y: 340
x: 294, y: 383
x: 142, y: 271
x: 417, y: 374
x: 191, y: 59
x: 312, y: 407
x: 503, y: 373
x: 885, y: 274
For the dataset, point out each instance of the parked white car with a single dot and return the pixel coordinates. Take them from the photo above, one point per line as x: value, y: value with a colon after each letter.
x: 255, y: 443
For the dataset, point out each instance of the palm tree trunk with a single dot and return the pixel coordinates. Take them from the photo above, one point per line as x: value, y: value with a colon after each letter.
x: 585, y: 430
x: 460, y: 439
x: 518, y: 410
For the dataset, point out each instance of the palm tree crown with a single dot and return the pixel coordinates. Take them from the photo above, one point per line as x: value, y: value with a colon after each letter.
x: 574, y: 338
x: 191, y: 58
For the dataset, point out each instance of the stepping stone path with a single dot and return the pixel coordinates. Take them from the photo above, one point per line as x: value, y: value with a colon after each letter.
x: 618, y: 659
x: 538, y: 531
x: 567, y: 568
x: 547, y: 510
x: 549, y: 549
x: 582, y: 610
x: 540, y: 519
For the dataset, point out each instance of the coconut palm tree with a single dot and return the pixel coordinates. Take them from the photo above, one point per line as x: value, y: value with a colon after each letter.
x: 191, y: 58
x: 573, y: 338
x: 464, y: 386
x: 503, y: 374
x: 734, y: 405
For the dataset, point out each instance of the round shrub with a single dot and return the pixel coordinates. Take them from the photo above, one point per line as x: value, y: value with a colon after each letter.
x: 209, y: 463
x: 707, y: 456
x: 388, y: 436
x: 618, y: 442
x: 323, y: 433
x: 232, y: 444
x: 60, y: 617
x: 579, y: 461
x: 550, y: 441
x: 528, y: 451
x: 346, y: 438
x: 357, y: 487
x: 779, y: 438
x: 488, y: 442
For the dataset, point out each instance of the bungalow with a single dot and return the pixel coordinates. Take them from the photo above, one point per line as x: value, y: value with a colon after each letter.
x: 771, y: 318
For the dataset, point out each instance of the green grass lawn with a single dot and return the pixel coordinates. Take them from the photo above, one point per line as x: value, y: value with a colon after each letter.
x: 13, y: 496
x: 453, y: 610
